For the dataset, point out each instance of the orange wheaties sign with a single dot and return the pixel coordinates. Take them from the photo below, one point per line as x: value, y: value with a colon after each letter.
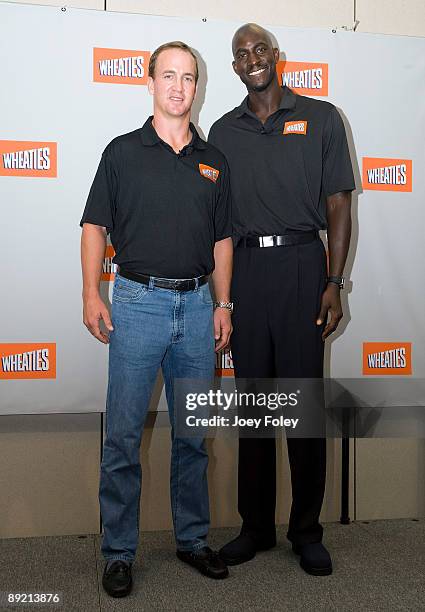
x: 108, y: 268
x: 387, y: 358
x: 224, y: 363
x: 122, y: 66
x: 28, y: 158
x: 28, y: 360
x: 305, y: 78
x: 383, y: 174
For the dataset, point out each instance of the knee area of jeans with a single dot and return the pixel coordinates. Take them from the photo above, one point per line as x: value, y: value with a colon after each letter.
x: 128, y: 446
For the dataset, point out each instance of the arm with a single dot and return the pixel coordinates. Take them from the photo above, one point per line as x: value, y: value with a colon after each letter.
x: 93, y: 243
x: 338, y: 210
x: 222, y: 275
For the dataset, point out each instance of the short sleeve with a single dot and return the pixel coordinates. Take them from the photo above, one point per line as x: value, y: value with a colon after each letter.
x: 101, y: 202
x: 337, y: 168
x: 223, y: 206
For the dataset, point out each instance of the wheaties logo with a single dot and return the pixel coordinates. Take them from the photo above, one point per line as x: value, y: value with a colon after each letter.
x: 224, y: 363
x: 120, y: 66
x: 209, y: 172
x: 35, y: 360
x: 28, y: 158
x: 383, y: 174
x: 109, y: 269
x: 387, y: 358
x: 305, y: 78
x: 295, y: 127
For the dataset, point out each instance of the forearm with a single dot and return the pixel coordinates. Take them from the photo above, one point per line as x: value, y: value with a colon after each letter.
x: 93, y: 244
x: 222, y: 275
x: 338, y: 210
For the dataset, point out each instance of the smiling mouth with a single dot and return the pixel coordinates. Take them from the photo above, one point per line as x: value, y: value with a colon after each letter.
x: 255, y: 72
x: 176, y: 99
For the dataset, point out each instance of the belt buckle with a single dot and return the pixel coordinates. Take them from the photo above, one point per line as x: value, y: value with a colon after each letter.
x: 267, y: 241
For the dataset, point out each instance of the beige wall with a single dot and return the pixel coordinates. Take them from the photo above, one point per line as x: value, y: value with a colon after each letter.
x: 49, y: 464
x: 391, y: 17
x: 49, y: 477
x: 384, y: 16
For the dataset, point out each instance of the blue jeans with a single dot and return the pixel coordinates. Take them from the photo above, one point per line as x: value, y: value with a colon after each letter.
x: 153, y: 328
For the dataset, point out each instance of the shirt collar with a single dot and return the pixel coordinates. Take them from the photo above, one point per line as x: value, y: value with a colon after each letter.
x: 287, y: 102
x: 150, y: 137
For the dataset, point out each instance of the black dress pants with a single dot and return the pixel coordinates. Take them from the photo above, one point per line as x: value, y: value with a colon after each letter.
x: 277, y: 293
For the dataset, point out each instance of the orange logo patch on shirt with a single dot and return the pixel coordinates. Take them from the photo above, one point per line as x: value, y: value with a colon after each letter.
x: 208, y: 172
x: 295, y: 127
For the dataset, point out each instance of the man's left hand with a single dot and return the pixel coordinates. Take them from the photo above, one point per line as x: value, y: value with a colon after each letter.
x: 331, y: 302
x: 222, y: 328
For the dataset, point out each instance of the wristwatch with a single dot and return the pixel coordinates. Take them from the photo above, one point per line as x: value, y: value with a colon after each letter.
x: 228, y: 305
x: 338, y: 280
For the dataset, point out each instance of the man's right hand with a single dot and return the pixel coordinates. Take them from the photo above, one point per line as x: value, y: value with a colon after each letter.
x: 94, y: 310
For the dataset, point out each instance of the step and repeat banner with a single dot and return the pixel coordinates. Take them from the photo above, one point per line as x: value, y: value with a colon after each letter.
x: 74, y: 79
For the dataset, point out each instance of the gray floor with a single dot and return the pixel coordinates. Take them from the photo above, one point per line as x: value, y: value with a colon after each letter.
x: 377, y: 566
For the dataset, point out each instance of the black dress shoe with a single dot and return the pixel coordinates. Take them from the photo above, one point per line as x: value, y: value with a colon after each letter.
x: 206, y: 561
x: 116, y: 579
x: 315, y: 559
x: 244, y: 548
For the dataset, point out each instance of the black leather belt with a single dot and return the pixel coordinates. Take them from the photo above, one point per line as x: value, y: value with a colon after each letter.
x: 275, y: 241
x: 188, y: 284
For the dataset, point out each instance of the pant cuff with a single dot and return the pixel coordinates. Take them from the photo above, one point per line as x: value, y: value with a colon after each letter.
x: 119, y: 558
x: 192, y: 547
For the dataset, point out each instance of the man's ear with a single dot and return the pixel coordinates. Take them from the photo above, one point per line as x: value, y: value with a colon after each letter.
x: 234, y: 66
x: 151, y: 85
x: 276, y: 54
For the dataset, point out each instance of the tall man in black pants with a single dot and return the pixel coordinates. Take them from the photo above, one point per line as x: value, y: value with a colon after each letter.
x: 291, y: 176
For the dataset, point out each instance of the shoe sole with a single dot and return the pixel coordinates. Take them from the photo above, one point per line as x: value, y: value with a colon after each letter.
x: 313, y: 571
x: 214, y: 577
x: 239, y: 560
x: 236, y: 560
x: 316, y: 571
x: 203, y: 571
x: 118, y: 594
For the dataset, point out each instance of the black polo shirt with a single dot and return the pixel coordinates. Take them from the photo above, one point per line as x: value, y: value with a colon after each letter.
x: 164, y: 210
x: 282, y: 171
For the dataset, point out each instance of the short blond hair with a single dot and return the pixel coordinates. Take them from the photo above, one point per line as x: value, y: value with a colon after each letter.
x: 175, y: 44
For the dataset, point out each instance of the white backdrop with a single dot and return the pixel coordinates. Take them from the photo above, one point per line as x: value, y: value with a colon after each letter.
x: 49, y: 96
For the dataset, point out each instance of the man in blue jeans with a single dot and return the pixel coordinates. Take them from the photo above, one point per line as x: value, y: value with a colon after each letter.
x: 163, y: 195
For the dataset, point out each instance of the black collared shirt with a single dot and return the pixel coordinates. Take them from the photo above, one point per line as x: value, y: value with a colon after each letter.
x: 164, y: 210
x: 281, y: 172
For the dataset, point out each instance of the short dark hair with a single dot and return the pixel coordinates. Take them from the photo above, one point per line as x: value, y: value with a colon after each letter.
x: 175, y: 44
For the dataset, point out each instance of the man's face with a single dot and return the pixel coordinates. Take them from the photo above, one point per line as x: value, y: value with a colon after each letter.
x: 255, y: 59
x: 173, y: 87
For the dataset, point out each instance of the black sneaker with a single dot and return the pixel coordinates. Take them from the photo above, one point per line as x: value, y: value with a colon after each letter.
x: 205, y: 561
x: 117, y: 580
